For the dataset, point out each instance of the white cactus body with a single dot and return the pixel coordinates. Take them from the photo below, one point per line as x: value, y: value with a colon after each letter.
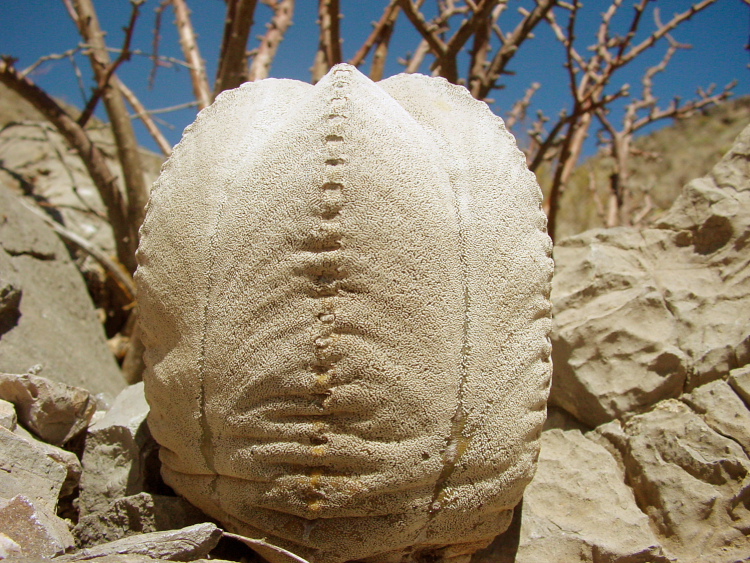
x: 343, y: 291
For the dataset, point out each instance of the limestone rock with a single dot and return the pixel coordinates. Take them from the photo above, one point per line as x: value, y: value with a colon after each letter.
x: 343, y: 291
x: 739, y: 379
x: 66, y: 459
x: 578, y: 508
x: 644, y: 315
x: 36, y: 529
x: 57, y: 326
x: 8, y: 416
x: 9, y: 548
x: 120, y: 453
x: 10, y: 294
x: 187, y: 544
x: 27, y: 470
x: 53, y: 411
x: 690, y: 481
x: 723, y: 411
x: 137, y: 514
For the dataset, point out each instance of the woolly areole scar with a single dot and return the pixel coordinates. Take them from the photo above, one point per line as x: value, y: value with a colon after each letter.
x: 343, y: 292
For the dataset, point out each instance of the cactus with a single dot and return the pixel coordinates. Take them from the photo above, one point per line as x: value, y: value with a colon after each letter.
x: 343, y: 291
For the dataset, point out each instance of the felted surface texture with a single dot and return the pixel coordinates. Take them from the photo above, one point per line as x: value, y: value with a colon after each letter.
x: 344, y: 296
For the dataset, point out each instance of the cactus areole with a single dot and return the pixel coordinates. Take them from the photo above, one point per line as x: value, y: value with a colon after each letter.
x: 343, y: 291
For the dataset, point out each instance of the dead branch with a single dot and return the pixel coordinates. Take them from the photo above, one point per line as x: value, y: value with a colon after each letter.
x: 122, y: 128
x: 121, y: 276
x: 446, y: 53
x: 486, y: 81
x: 233, y: 66
x: 380, y: 31
x: 51, y: 57
x: 283, y: 11
x: 518, y: 112
x: 92, y: 158
x: 143, y: 115
x: 106, y: 73
x: 415, y: 61
x: 329, y: 46
x: 192, y: 54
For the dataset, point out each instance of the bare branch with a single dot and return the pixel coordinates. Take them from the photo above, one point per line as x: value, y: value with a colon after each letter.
x: 486, y: 83
x: 92, y: 158
x: 233, y: 59
x: 269, y: 44
x: 427, y: 31
x: 382, y: 28
x: 51, y: 57
x: 121, y: 276
x: 518, y: 112
x: 329, y: 46
x: 122, y: 128
x: 192, y: 54
x: 105, y: 75
x: 143, y: 115
x: 663, y: 30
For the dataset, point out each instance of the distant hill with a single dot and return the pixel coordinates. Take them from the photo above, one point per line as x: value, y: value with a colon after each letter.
x: 668, y: 159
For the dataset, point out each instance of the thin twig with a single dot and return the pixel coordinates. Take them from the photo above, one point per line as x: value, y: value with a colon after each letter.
x: 283, y: 12
x: 106, y: 76
x: 143, y: 115
x: 379, y: 31
x: 192, y: 53
x: 117, y: 271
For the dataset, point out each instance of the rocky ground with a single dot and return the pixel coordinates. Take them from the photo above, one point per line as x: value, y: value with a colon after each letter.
x: 645, y: 455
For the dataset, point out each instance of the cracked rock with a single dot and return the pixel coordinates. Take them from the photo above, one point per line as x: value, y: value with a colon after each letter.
x: 26, y: 469
x: 691, y: 481
x: 723, y: 411
x: 578, y: 508
x: 53, y: 411
x: 121, y: 457
x: 8, y: 416
x: 55, y: 323
x: 137, y: 514
x: 186, y: 544
x: 34, y: 528
x: 643, y: 315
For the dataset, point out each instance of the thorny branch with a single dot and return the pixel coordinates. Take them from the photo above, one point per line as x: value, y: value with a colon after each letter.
x: 589, y: 78
x: 92, y: 158
x: 233, y: 57
x: 192, y: 54
x: 283, y: 12
x: 122, y: 128
x: 329, y: 46
x: 105, y: 76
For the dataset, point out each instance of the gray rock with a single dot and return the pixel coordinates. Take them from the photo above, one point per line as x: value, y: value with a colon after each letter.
x: 578, y: 508
x: 137, y: 514
x: 9, y: 548
x: 67, y: 459
x: 723, y: 411
x: 690, y: 481
x: 8, y: 416
x: 187, y: 544
x: 35, y: 528
x: 644, y: 315
x: 10, y: 294
x: 57, y: 326
x: 53, y: 411
x: 118, y: 453
x: 27, y: 470
x: 739, y: 379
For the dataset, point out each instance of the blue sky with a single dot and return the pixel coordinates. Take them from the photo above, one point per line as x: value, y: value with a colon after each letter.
x: 33, y: 28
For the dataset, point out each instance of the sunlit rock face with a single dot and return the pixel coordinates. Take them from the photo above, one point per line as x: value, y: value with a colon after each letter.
x: 344, y: 293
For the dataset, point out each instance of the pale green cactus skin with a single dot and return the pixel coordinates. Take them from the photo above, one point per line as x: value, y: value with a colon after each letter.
x: 343, y: 291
